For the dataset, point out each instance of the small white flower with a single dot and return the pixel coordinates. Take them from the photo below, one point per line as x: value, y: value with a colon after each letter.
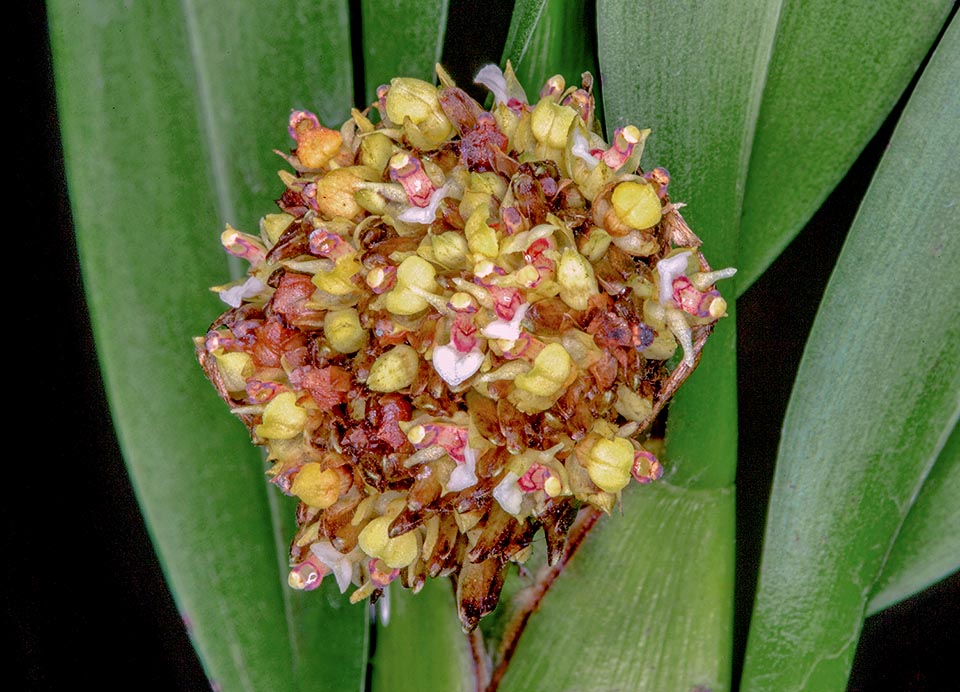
x: 492, y: 77
x: 427, y: 214
x: 248, y: 289
x: 455, y: 367
x: 581, y: 149
x: 509, y: 494
x: 465, y: 475
x: 337, y: 562
x: 504, y: 329
x: 670, y: 269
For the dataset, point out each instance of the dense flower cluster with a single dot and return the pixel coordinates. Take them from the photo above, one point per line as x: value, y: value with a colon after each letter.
x: 456, y: 328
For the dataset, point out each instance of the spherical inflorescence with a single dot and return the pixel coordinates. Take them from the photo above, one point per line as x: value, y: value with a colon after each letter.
x: 456, y: 330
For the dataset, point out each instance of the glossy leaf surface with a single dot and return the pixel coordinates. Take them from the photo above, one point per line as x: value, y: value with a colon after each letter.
x: 874, y: 402
x: 562, y: 42
x: 828, y: 88
x: 422, y: 646
x: 168, y: 114
x: 928, y: 545
x: 643, y: 603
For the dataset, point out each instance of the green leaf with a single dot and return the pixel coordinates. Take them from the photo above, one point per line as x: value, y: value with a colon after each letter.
x: 558, y: 43
x: 408, y: 657
x: 643, y: 605
x: 928, y: 545
x: 523, y: 23
x: 822, y: 102
x: 169, y: 113
x: 693, y: 73
x: 874, y: 402
x: 401, y: 38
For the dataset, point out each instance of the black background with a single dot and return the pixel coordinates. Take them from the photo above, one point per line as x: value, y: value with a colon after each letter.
x: 84, y: 599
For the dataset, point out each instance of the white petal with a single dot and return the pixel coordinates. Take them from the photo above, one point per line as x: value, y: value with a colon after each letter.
x: 337, y: 562
x: 508, y: 493
x: 465, y: 475
x: 502, y: 329
x: 492, y: 77
x: 670, y: 269
x: 234, y: 296
x: 427, y: 214
x: 581, y: 149
x: 456, y: 367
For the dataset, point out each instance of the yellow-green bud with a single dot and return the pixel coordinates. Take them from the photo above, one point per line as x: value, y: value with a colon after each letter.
x: 413, y: 271
x: 551, y: 122
x: 396, y: 552
x: 316, y: 486
x: 234, y: 368
x: 343, y: 331
x: 551, y: 368
x: 418, y: 101
x: 376, y: 150
x: 393, y: 370
x: 339, y: 280
x: 450, y: 250
x: 631, y: 405
x: 481, y: 238
x: 576, y: 278
x: 609, y: 464
x: 273, y: 226
x: 636, y: 204
x: 282, y: 418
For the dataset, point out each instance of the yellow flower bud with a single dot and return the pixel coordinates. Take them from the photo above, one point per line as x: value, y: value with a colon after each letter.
x: 338, y: 281
x: 317, y: 146
x: 376, y: 150
x: 631, y: 405
x: 316, y: 486
x: 282, y: 418
x: 636, y: 204
x: 550, y: 123
x: 335, y: 194
x: 273, y: 226
x: 343, y: 331
x: 413, y: 271
x: 450, y: 250
x: 551, y: 368
x: 576, y: 278
x: 481, y: 239
x: 396, y: 552
x: 414, y: 104
x: 235, y: 368
x: 609, y: 464
x: 395, y: 369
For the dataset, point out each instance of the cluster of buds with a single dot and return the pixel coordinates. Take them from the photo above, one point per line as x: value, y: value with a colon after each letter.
x: 457, y: 331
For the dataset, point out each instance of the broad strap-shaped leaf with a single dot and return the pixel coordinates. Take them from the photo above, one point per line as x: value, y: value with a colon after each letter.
x: 835, y: 72
x: 523, y: 23
x: 693, y: 73
x: 562, y: 42
x: 401, y: 38
x: 643, y: 605
x: 329, y: 635
x: 169, y: 113
x: 408, y: 656
x: 875, y: 400
x: 928, y: 546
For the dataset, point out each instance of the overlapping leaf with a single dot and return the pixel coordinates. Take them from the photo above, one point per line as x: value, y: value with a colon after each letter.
x: 169, y: 113
x: 835, y: 72
x: 874, y: 403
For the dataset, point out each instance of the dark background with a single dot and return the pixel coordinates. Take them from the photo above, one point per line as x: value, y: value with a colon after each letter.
x: 84, y: 598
